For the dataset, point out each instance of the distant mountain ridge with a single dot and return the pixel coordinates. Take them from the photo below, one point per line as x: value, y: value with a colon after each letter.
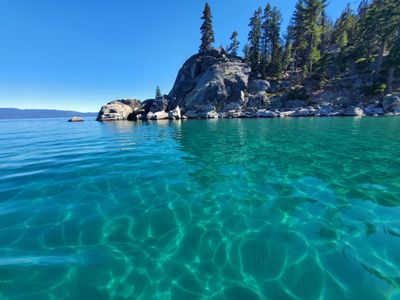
x: 15, y: 113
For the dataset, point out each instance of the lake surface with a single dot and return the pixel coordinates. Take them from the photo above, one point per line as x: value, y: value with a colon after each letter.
x: 218, y: 209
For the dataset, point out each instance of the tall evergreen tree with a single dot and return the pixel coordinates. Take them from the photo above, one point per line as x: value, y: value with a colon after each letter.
x: 254, y: 41
x: 313, y: 14
x: 287, y: 53
x: 344, y: 28
x: 158, y: 92
x: 207, y: 33
x: 234, y: 46
x: 266, y: 42
x: 363, y: 38
x: 393, y: 62
x: 298, y: 34
x: 380, y: 23
x: 246, y: 53
x: 276, y: 54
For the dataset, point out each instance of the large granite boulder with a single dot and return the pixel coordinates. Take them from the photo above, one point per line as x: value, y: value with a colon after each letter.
x: 258, y: 85
x: 210, y: 82
x: 159, y: 104
x: 390, y: 102
x: 118, y: 110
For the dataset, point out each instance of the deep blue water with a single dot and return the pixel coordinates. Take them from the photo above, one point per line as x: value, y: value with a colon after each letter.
x: 219, y: 209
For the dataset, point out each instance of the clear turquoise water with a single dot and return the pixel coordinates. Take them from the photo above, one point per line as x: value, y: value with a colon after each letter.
x: 227, y: 209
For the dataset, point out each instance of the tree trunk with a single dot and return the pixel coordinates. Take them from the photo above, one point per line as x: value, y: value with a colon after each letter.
x: 379, y: 60
x: 389, y: 81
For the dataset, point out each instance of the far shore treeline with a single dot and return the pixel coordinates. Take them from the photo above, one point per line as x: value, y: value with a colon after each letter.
x: 317, y: 48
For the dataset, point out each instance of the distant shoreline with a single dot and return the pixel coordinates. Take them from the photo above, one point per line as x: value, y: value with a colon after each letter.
x: 15, y: 114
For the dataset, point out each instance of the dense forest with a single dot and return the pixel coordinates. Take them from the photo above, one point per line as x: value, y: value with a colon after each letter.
x: 314, y: 47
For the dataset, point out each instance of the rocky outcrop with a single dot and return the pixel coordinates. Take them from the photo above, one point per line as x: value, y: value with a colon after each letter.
x: 258, y: 86
x: 118, y: 110
x: 390, y: 103
x: 210, y: 82
x: 216, y: 85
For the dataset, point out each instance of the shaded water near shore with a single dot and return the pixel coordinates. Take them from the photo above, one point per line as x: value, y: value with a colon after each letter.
x: 218, y: 209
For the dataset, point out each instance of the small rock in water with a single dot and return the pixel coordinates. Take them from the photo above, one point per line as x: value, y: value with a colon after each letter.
x: 76, y: 119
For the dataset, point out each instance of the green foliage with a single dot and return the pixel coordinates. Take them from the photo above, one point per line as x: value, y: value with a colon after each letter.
x: 254, y: 39
x: 321, y: 50
x: 207, y: 33
x: 344, y: 30
x: 234, y: 46
x: 305, y: 70
x: 158, y: 92
x: 375, y: 89
x: 246, y: 53
x: 277, y: 53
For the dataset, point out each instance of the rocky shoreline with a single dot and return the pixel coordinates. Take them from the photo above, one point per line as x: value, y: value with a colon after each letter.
x: 215, y: 85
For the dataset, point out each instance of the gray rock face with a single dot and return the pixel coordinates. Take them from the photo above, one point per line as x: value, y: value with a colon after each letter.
x: 373, y: 110
x: 175, y: 114
x: 295, y: 104
x: 159, y: 104
x: 258, y: 100
x: 263, y: 113
x: 303, y: 112
x: 118, y: 110
x: 258, y: 85
x: 390, y: 102
x: 343, y: 101
x: 210, y: 79
x: 353, y: 111
x: 159, y: 115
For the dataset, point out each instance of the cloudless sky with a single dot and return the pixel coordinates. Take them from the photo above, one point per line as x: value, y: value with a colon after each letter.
x: 80, y: 54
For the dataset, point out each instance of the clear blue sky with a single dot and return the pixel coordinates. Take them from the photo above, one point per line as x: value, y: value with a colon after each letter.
x: 80, y: 54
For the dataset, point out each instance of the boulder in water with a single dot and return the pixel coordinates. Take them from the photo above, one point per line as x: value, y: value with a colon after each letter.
x: 118, y: 110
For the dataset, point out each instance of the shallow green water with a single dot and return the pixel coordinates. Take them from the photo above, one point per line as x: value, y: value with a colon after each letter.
x: 228, y: 209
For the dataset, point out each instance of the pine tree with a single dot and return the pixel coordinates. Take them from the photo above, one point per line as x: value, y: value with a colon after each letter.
x: 298, y: 34
x: 234, y: 46
x: 363, y: 37
x: 276, y: 53
x: 393, y: 61
x: 313, y: 14
x: 246, y: 53
x: 380, y: 24
x: 254, y: 41
x: 207, y: 33
x: 266, y: 42
x: 287, y: 53
x: 158, y: 92
x: 344, y: 29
